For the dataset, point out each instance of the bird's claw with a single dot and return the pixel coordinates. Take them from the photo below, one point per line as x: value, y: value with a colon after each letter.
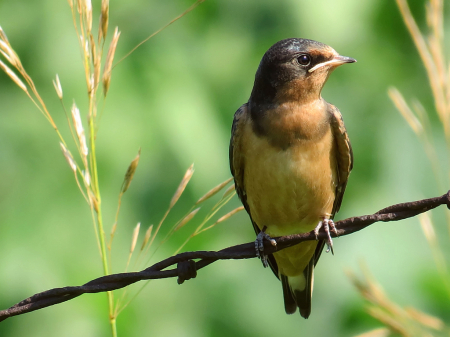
x: 259, y: 246
x: 327, y: 224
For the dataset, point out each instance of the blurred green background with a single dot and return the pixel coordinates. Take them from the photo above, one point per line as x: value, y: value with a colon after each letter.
x: 175, y: 98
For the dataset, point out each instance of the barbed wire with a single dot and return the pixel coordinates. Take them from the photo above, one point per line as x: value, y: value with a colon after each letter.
x: 187, y: 267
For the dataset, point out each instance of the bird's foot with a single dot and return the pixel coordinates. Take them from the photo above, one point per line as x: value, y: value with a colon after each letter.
x: 259, y: 246
x: 327, y: 224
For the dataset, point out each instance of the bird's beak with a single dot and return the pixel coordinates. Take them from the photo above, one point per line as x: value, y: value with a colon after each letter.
x: 336, y: 61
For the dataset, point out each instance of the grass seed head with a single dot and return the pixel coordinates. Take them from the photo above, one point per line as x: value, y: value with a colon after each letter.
x: 222, y: 219
x: 182, y: 186
x: 3, y: 36
x: 394, y: 323
x: 230, y: 214
x: 97, y: 66
x: 135, y: 237
x: 86, y: 48
x: 228, y: 191
x: 69, y: 158
x: 79, y: 9
x: 213, y: 191
x: 186, y: 219
x: 13, y: 76
x: 147, y: 236
x: 79, y: 130
x: 91, y: 88
x: 109, y: 61
x: 4, y: 47
x: 6, y: 56
x: 93, y: 48
x: 130, y: 172
x: 9, y: 54
x: 93, y: 201
x: 425, y: 319
x: 86, y: 177
x: 58, y: 88
x: 104, y: 20
x: 88, y: 14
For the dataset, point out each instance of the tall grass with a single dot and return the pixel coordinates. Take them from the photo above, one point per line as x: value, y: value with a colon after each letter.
x: 98, y: 53
x: 430, y: 46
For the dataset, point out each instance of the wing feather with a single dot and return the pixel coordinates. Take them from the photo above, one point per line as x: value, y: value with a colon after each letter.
x: 237, y: 164
x: 344, y: 164
x: 344, y: 155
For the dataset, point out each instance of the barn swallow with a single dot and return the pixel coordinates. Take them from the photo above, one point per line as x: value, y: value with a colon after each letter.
x: 290, y: 157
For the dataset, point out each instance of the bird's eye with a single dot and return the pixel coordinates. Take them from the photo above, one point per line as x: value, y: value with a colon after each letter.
x: 304, y: 59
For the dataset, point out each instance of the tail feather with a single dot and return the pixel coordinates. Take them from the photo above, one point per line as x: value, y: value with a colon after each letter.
x: 303, y: 297
x: 289, y: 302
x: 297, y: 291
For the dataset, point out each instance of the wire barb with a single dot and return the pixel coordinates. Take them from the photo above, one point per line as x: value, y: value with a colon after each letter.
x: 186, y: 271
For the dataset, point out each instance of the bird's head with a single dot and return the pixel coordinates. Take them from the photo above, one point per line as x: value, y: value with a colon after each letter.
x: 295, y: 69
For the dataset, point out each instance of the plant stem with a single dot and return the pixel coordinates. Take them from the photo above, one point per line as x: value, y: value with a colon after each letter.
x: 96, y: 190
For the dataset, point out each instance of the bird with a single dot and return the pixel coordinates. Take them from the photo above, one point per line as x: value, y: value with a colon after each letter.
x: 291, y: 157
